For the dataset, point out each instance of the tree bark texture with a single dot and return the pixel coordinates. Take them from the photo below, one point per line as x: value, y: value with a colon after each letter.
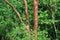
x: 36, y: 18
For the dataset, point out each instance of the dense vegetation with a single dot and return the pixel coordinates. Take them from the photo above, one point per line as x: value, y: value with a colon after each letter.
x: 11, y: 28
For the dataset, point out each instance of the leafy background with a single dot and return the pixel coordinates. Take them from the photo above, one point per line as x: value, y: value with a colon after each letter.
x: 12, y: 29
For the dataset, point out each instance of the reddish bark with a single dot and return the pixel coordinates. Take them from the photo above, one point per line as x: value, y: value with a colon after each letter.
x: 36, y: 17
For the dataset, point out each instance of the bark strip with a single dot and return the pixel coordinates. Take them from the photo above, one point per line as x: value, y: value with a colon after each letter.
x: 36, y: 18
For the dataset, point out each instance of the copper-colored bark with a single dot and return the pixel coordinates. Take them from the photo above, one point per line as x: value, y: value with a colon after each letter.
x: 27, y: 15
x: 35, y: 17
x: 17, y: 13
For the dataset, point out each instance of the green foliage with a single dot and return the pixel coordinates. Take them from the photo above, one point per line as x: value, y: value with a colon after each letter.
x: 12, y: 29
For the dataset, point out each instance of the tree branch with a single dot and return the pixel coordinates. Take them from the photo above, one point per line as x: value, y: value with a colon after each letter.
x: 27, y: 15
x: 27, y: 18
x: 17, y: 13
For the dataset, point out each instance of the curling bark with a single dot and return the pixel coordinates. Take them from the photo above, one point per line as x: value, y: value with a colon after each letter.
x: 36, y: 18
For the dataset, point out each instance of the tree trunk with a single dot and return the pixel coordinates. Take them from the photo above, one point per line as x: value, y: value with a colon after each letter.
x: 36, y: 18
